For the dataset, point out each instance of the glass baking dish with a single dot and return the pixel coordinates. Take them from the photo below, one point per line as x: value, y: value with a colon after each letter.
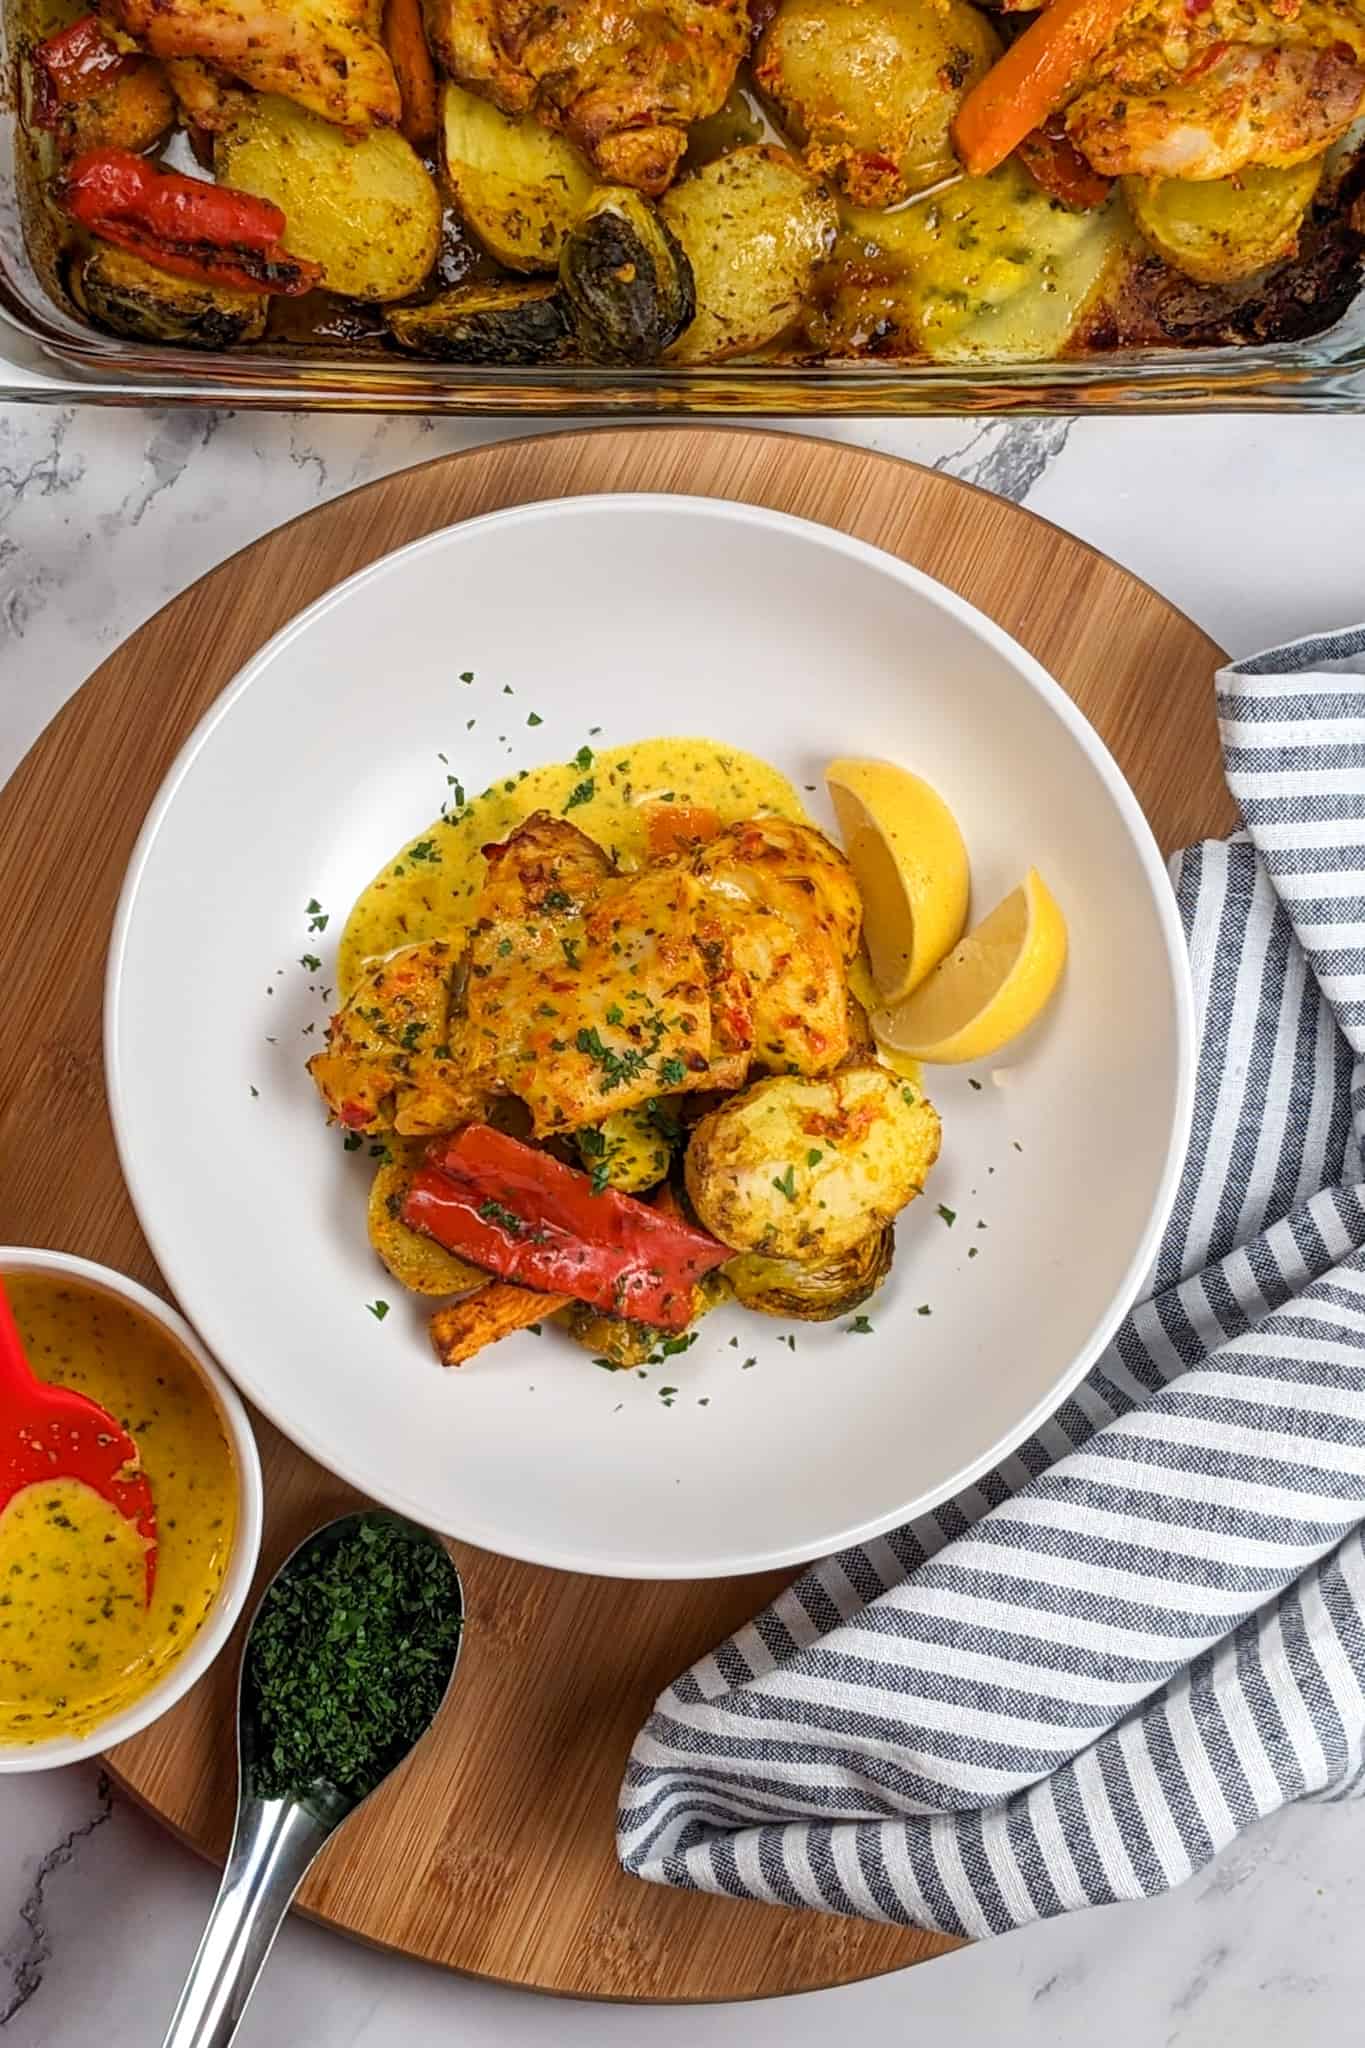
x: 48, y: 355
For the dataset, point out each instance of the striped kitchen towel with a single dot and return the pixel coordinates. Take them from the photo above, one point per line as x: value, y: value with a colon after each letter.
x: 1145, y: 1630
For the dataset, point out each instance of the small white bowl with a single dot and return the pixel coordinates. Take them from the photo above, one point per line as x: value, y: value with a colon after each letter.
x: 218, y: 1623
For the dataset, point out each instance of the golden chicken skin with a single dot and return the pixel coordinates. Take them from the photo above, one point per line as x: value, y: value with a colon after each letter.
x: 325, y: 54
x: 622, y: 82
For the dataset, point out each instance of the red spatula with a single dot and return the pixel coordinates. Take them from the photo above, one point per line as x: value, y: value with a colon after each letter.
x: 51, y: 1433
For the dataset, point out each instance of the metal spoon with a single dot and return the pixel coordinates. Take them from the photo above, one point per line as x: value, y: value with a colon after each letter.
x: 273, y: 1842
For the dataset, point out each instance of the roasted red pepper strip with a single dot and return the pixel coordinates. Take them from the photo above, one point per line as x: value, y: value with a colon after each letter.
x: 73, y: 66
x: 527, y: 1218
x: 185, y: 225
x: 1055, y: 163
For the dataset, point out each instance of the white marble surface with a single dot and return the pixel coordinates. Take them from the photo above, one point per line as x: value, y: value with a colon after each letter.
x: 1253, y: 526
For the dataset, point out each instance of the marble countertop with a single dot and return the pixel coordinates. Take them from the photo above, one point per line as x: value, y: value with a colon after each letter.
x: 1250, y: 524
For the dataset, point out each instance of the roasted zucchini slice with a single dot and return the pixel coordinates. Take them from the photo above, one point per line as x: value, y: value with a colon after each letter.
x: 130, y: 297
x: 1225, y: 229
x: 869, y: 88
x: 626, y: 1150
x: 755, y: 229
x: 363, y: 207
x: 627, y: 278
x: 487, y: 323
x: 813, y: 1294
x: 518, y: 185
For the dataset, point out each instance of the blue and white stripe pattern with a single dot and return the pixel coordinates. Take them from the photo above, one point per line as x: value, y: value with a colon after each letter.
x: 1080, y: 1679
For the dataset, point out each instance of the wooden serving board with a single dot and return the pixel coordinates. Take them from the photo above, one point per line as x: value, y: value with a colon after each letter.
x: 492, y: 1851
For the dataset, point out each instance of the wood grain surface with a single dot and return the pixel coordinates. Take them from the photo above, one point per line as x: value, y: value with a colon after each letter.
x: 492, y: 1851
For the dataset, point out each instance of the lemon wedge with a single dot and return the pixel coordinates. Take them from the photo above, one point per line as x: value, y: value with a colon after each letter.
x: 910, y: 864
x: 990, y: 988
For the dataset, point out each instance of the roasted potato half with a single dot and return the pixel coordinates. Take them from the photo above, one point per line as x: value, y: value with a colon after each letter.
x: 129, y: 297
x: 869, y: 88
x: 627, y: 277
x: 813, y: 1294
x: 363, y: 207
x: 501, y: 322
x: 802, y: 1169
x: 1227, y: 228
x: 518, y: 185
x: 756, y: 230
x: 416, y: 1262
x: 992, y: 269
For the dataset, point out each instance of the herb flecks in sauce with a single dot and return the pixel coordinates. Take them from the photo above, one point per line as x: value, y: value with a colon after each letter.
x: 350, y: 1655
x: 77, y: 1640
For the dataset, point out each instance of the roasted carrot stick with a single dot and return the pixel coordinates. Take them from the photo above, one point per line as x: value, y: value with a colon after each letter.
x: 467, y: 1327
x: 405, y: 39
x: 1035, y: 76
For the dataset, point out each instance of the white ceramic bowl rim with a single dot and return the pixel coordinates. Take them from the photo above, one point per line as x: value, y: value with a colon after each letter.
x: 388, y: 1488
x: 231, y: 1597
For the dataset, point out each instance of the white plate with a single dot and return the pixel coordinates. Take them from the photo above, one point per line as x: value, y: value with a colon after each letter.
x: 640, y: 615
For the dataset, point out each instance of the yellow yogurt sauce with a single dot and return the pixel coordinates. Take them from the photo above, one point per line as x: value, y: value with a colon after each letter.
x: 77, y: 1639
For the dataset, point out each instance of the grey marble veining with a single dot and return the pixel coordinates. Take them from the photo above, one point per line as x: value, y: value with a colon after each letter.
x: 1251, y: 525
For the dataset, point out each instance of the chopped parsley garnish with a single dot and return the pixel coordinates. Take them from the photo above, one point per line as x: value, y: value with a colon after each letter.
x: 748, y: 1364
x: 555, y: 899
x: 924, y: 1309
x: 310, y: 961
x: 504, y: 948
x: 949, y: 1215
x: 378, y: 1309
x: 425, y: 849
x: 583, y: 758
x: 908, y: 1097
x: 581, y: 793
x: 254, y: 1089
x: 506, y: 1219
x: 534, y: 718
x: 616, y: 1015
x: 352, y: 1141
x: 813, y: 1157
x: 350, y: 1655
x: 972, y: 1082
x: 467, y: 675
x: 672, y: 1346
x: 672, y: 1072
x: 617, y: 1067
x: 860, y: 1327
x: 410, y: 1034
x: 317, y: 916
x: 786, y: 1185
x: 570, y: 947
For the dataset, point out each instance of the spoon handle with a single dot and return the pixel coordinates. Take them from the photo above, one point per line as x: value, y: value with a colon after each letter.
x: 273, y: 1844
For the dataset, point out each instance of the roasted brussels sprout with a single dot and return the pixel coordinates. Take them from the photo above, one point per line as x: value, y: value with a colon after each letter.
x: 133, y: 298
x: 416, y: 1262
x: 364, y: 207
x: 1224, y: 229
x: 627, y: 1150
x: 487, y: 323
x: 804, y: 1169
x: 627, y: 277
x: 622, y: 1343
x: 814, y: 1294
x: 869, y: 88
